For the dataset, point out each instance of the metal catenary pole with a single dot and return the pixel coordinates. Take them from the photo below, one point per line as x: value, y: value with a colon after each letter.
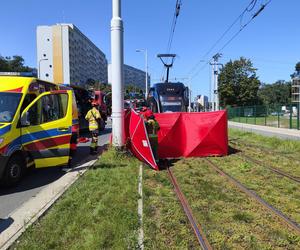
x: 215, y: 73
x: 216, y: 88
x: 212, y: 97
x: 117, y: 62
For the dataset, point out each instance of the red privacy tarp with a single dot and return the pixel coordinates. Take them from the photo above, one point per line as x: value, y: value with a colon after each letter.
x: 180, y: 135
x: 192, y: 134
x: 136, y: 138
x: 140, y: 145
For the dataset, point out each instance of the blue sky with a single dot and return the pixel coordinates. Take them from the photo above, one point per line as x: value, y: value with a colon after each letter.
x: 271, y: 41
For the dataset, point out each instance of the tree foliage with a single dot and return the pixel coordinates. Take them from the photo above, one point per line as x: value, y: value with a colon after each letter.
x: 276, y: 93
x: 297, y: 67
x: 105, y: 87
x: 133, y: 92
x: 14, y: 64
x: 238, y: 83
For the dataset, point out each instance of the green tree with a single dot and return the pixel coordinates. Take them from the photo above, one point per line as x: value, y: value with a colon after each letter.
x: 238, y: 83
x: 14, y: 64
x: 276, y: 93
x: 133, y: 92
x: 105, y: 87
x: 4, y: 67
x: 297, y: 67
x: 90, y: 83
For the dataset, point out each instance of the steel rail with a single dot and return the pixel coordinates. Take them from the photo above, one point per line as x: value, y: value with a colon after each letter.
x: 292, y: 224
x: 238, y: 142
x: 203, y: 242
x: 275, y: 170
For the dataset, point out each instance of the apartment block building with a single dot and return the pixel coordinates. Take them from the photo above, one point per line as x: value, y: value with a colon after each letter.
x: 132, y: 76
x: 66, y: 55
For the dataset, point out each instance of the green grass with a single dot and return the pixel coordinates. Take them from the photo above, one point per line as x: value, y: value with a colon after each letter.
x: 98, y: 212
x: 281, y: 192
x: 231, y: 220
x: 268, y: 158
x: 287, y: 147
x: 165, y: 224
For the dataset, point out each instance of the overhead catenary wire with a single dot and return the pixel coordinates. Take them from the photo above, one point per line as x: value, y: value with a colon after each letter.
x: 173, y: 26
x: 249, y: 8
x: 239, y: 18
x: 172, y: 30
x: 245, y: 25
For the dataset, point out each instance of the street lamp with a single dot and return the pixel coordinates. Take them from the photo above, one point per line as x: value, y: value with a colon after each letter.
x: 146, y: 66
x: 43, y: 59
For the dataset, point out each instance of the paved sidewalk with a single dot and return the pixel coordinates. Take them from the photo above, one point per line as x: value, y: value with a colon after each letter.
x: 282, y: 133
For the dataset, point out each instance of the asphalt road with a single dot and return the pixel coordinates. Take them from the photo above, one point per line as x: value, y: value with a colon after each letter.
x: 36, y: 180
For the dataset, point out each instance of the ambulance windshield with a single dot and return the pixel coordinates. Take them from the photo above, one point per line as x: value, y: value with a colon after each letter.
x: 8, y: 105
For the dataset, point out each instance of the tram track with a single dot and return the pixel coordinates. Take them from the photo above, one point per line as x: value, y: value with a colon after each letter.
x: 275, y: 170
x: 262, y: 164
x: 198, y: 231
x: 292, y: 224
x: 238, y: 142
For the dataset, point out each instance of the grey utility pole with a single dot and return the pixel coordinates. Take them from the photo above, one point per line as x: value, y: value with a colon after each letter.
x: 212, y: 99
x: 215, y: 70
x: 117, y: 61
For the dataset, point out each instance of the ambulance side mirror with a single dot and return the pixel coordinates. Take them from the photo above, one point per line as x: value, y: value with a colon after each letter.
x: 25, y: 119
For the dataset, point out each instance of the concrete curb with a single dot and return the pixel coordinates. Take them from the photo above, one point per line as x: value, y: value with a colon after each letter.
x: 280, y: 133
x: 34, y: 208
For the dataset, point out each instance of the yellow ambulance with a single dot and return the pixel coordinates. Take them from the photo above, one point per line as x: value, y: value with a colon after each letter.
x: 38, y: 125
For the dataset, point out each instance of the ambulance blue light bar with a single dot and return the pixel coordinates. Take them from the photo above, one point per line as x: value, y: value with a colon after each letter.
x: 27, y: 74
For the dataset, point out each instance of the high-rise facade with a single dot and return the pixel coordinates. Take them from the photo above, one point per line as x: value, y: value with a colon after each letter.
x: 202, y: 103
x: 132, y: 76
x: 66, y: 55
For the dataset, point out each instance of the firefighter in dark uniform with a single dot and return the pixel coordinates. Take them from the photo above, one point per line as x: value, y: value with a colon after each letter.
x: 93, y: 116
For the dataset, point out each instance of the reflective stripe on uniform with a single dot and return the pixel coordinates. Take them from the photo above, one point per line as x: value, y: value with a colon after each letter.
x: 90, y: 116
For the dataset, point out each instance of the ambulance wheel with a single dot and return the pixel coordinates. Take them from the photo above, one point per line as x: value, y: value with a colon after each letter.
x: 13, y: 171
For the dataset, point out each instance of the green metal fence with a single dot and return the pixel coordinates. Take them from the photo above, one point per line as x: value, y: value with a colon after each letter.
x: 281, y: 116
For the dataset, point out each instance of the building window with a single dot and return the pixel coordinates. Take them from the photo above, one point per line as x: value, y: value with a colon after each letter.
x: 47, y: 75
x: 50, y: 66
x: 44, y: 55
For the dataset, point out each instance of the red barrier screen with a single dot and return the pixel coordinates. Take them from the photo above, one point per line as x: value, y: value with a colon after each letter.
x: 192, y: 134
x: 140, y: 145
x: 180, y: 135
